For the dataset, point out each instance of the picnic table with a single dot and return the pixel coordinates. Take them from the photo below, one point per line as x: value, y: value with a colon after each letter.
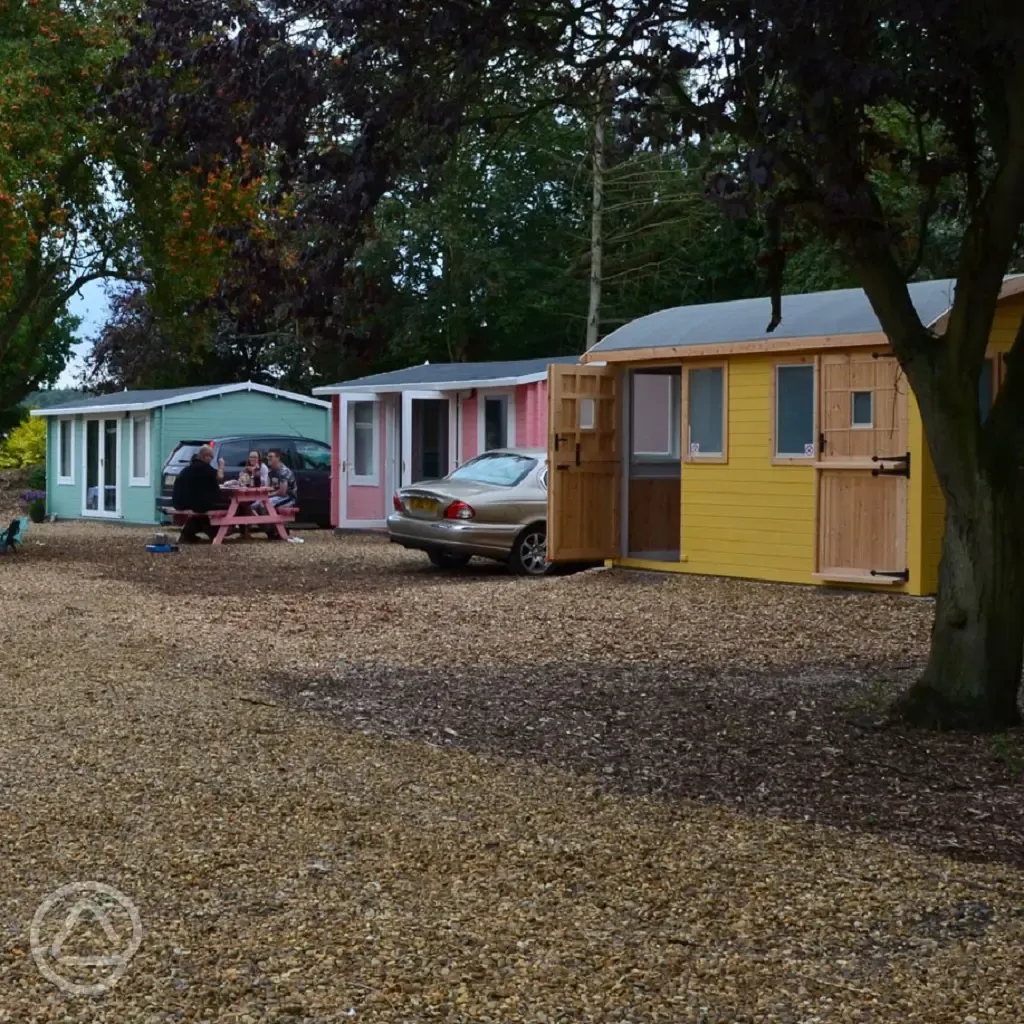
x: 224, y: 519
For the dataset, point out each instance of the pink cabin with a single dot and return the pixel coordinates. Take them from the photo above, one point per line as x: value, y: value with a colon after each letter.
x: 389, y: 430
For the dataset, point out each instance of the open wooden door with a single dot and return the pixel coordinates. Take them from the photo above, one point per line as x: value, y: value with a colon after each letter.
x: 863, y: 469
x: 584, y: 460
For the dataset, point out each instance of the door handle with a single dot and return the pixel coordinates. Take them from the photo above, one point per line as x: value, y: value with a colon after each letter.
x: 577, y: 453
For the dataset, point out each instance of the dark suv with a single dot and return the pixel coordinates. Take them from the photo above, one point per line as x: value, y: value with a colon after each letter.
x: 310, y: 460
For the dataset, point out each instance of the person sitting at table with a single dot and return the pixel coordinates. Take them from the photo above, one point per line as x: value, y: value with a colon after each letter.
x: 259, y: 474
x: 197, y: 489
x: 282, y: 481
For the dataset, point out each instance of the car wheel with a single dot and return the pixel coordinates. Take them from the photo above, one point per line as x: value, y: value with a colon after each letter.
x: 530, y: 552
x: 444, y: 560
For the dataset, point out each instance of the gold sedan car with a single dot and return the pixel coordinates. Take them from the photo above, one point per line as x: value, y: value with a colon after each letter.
x: 495, y: 506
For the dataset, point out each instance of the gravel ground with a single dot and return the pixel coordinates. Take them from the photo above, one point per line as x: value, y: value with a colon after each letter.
x: 286, y: 869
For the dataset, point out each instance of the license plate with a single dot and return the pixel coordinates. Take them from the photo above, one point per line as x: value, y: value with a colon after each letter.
x: 169, y: 479
x: 421, y: 504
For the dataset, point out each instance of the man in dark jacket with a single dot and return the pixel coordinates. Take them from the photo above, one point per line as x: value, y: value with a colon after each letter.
x: 197, y: 488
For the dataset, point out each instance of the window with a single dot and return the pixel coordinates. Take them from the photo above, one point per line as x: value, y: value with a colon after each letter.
x: 655, y: 416
x: 313, y: 456
x: 986, y: 388
x: 794, y: 412
x: 585, y: 413
x: 705, y: 417
x: 363, y: 445
x: 500, y: 469
x: 139, y: 472
x: 495, y: 422
x: 65, y: 452
x: 236, y: 453
x: 862, y: 406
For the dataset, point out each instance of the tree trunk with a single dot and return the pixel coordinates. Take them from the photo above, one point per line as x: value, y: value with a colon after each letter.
x: 973, y: 676
x: 596, y: 233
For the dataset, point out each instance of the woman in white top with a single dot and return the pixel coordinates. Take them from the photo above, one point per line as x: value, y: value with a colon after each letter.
x: 257, y: 470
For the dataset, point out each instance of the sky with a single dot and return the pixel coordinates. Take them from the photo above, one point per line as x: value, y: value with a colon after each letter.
x: 92, y: 306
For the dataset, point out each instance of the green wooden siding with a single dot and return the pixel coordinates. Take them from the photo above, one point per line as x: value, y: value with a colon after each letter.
x: 243, y: 412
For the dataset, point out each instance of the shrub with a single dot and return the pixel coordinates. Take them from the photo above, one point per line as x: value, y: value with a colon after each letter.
x: 37, y: 478
x: 25, y: 445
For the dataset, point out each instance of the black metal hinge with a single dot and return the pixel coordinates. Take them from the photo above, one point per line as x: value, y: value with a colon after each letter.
x: 903, y: 470
x: 905, y: 575
x: 822, y: 441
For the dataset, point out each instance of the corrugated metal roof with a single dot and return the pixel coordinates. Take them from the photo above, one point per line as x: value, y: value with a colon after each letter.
x: 152, y: 399
x: 811, y: 315
x: 157, y: 396
x: 429, y: 375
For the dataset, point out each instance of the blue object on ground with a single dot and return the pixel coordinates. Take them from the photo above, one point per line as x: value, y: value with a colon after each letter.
x: 161, y: 549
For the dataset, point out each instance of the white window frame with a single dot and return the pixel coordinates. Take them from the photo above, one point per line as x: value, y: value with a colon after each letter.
x: 688, y: 454
x: 510, y: 417
x: 675, y: 419
x: 70, y: 478
x: 135, y: 480
x: 854, y: 425
x: 369, y: 479
x: 787, y: 458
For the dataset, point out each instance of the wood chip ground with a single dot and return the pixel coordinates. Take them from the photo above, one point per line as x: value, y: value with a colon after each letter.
x: 604, y: 797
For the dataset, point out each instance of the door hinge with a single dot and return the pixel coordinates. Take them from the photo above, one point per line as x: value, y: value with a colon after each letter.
x: 556, y: 442
x: 903, y: 470
x: 905, y: 575
x: 577, y: 453
x: 822, y: 441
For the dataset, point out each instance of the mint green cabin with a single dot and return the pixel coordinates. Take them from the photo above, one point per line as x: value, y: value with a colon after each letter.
x: 104, y: 454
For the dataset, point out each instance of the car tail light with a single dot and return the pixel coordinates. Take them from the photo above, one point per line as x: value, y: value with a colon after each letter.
x: 459, y: 510
x: 397, y: 502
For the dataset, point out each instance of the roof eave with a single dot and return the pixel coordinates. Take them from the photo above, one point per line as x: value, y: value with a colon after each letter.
x: 195, y: 396
x: 444, y: 385
x: 734, y: 348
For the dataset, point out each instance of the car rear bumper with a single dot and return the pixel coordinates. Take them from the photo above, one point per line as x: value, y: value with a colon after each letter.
x: 488, y: 540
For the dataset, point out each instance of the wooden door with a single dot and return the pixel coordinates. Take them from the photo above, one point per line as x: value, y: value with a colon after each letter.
x: 585, y: 463
x: 863, y: 468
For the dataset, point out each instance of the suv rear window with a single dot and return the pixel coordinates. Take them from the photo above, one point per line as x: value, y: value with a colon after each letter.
x: 182, y: 455
x: 502, y: 470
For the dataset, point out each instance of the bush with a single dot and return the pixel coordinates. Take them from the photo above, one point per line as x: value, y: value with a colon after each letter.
x: 37, y: 478
x: 25, y: 445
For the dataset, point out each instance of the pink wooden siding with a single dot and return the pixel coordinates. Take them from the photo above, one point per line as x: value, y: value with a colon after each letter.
x: 468, y: 426
x: 335, y: 460
x: 364, y: 502
x: 532, y: 415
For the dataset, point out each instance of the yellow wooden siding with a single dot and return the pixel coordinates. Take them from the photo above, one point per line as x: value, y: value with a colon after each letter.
x: 933, y: 505
x: 748, y: 517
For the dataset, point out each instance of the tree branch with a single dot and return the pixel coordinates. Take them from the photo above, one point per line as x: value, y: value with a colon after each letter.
x: 988, y: 244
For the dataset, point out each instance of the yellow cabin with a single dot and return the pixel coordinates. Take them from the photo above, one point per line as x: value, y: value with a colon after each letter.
x: 692, y: 441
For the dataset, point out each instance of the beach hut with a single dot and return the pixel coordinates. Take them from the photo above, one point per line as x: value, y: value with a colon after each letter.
x: 104, y: 454
x: 693, y: 441
x: 393, y: 429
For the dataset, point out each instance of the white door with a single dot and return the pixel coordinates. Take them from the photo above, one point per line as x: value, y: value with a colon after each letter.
x: 407, y: 422
x: 362, y: 480
x: 101, y: 485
